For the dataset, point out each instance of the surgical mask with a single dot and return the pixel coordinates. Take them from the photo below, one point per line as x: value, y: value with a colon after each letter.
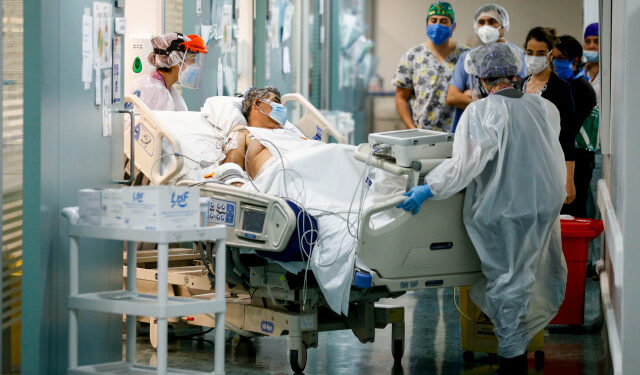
x: 591, y: 56
x: 488, y: 34
x: 535, y: 64
x: 438, y: 33
x: 190, y: 76
x: 278, y: 112
x: 563, y: 68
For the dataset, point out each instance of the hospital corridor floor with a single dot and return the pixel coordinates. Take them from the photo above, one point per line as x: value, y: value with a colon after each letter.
x: 432, y: 346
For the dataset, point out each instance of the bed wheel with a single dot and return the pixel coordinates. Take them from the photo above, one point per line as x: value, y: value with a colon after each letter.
x: 468, y: 356
x: 397, y: 342
x: 538, y: 359
x: 298, y: 360
x: 397, y: 350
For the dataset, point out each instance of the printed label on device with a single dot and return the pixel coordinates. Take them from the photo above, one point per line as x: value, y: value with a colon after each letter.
x: 222, y: 212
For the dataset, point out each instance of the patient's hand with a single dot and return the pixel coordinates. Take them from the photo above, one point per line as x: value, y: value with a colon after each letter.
x: 256, y: 153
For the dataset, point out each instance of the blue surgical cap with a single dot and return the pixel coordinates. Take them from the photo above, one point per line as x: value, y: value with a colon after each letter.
x: 592, y: 30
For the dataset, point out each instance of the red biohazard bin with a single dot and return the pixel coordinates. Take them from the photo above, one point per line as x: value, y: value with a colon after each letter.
x: 576, y: 235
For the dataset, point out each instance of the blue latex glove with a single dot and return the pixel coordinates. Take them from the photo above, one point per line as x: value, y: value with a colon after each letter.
x: 417, y: 195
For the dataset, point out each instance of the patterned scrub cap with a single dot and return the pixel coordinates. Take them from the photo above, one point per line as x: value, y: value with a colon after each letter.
x: 441, y: 8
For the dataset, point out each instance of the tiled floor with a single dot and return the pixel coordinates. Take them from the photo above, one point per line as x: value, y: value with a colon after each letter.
x: 432, y: 347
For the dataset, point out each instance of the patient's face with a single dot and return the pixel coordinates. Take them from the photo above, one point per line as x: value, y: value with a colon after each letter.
x: 259, y: 116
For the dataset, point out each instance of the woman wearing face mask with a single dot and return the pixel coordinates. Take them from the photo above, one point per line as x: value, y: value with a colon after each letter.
x: 490, y: 22
x: 178, y: 59
x: 567, y: 54
x: 542, y: 80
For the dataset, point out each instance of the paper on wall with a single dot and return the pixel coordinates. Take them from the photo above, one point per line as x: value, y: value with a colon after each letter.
x: 229, y: 80
x: 267, y: 63
x: 274, y: 25
x: 286, y: 25
x: 106, y: 102
x: 227, y: 26
x: 102, y: 34
x: 117, y: 69
x: 87, y: 48
x: 220, y: 77
x: 286, y: 60
x: 98, y: 89
x: 216, y: 19
x: 208, y: 32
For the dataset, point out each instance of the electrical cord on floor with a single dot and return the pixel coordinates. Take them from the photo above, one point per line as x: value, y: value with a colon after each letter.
x: 455, y: 303
x: 210, y: 274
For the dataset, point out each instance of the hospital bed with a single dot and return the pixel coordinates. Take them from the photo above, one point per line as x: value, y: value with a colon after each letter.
x: 412, y: 252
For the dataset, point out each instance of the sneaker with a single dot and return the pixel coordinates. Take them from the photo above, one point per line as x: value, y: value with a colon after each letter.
x: 513, y: 366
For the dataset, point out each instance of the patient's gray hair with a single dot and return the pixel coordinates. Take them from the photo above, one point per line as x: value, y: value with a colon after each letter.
x: 254, y: 94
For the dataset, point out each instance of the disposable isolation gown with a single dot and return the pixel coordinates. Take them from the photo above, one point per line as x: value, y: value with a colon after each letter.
x: 153, y: 92
x: 507, y: 155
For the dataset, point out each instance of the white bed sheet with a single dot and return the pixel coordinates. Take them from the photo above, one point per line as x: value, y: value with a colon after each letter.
x: 325, y: 178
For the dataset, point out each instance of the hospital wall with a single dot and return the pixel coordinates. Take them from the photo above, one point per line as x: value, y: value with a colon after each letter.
x: 64, y: 151
x: 399, y: 28
x: 191, y: 22
x: 620, y: 134
x: 150, y: 24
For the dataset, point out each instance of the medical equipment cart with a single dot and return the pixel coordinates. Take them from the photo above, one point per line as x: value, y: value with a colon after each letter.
x: 132, y: 304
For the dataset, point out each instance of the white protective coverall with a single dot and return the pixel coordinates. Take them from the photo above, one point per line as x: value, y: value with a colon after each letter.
x: 507, y: 155
x: 153, y: 92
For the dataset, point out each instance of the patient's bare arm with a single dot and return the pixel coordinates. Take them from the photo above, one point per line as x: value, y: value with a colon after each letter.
x: 237, y: 154
x: 256, y: 153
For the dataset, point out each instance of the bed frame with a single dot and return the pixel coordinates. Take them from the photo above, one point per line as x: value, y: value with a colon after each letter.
x: 268, y: 301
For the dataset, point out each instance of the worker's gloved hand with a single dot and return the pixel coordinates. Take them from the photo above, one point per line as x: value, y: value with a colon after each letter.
x: 417, y: 195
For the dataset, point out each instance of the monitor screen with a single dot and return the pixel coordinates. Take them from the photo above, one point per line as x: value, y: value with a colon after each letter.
x: 253, y: 221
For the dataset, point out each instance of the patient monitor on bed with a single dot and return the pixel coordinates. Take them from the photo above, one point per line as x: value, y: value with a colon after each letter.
x: 254, y: 220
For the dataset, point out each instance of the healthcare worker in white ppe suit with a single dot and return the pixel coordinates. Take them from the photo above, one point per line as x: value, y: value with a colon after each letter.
x: 178, y: 59
x: 507, y: 155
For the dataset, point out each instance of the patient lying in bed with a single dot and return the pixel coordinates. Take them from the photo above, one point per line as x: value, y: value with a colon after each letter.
x: 325, y: 180
x: 258, y: 108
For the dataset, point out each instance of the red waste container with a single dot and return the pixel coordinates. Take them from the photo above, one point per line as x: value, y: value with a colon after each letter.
x: 576, y: 235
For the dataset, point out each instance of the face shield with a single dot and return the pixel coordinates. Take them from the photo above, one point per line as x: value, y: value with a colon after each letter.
x: 191, y: 69
x: 192, y: 65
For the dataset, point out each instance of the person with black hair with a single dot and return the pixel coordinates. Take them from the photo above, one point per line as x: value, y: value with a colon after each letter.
x: 567, y: 55
x: 542, y: 80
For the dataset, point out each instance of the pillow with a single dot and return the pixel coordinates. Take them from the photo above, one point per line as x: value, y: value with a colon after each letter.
x: 223, y: 112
